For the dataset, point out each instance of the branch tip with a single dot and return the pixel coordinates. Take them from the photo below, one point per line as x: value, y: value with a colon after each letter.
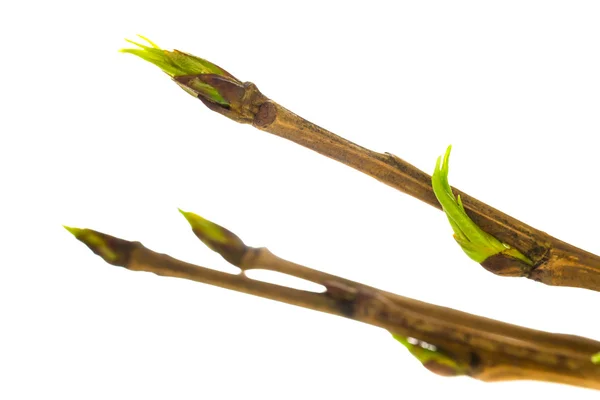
x: 177, y: 63
x: 113, y: 250
x: 216, y: 238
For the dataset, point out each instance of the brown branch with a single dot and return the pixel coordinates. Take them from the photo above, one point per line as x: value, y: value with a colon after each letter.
x: 464, y: 344
x: 555, y: 262
x: 481, y: 348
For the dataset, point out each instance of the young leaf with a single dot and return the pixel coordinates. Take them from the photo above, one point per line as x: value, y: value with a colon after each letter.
x: 476, y: 243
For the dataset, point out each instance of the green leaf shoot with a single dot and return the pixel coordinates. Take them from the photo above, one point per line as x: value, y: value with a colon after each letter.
x: 177, y: 63
x: 476, y: 243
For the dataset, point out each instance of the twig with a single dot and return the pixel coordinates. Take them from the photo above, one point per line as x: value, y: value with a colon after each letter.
x: 463, y: 344
x: 553, y: 262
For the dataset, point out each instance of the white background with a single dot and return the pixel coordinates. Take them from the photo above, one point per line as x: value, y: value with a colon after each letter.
x: 94, y: 138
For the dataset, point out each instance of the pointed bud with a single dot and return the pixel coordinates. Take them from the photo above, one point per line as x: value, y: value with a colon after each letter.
x: 113, y: 250
x: 216, y: 88
x: 596, y: 358
x: 475, y: 242
x: 217, y: 238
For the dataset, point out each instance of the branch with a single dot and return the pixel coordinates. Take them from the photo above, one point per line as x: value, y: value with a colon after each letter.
x: 549, y: 260
x: 446, y: 341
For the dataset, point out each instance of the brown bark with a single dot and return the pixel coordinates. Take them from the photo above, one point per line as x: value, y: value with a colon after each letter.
x: 554, y: 262
x: 485, y: 349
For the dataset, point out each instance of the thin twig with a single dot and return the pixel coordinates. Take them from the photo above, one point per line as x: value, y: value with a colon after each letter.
x: 481, y: 348
x: 554, y: 261
x: 548, y: 259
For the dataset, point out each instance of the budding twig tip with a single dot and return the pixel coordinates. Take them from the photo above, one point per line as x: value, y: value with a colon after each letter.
x: 216, y: 237
x: 177, y: 64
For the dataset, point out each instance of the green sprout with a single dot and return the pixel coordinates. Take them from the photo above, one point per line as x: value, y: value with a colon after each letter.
x: 177, y: 63
x: 431, y: 358
x: 596, y: 358
x: 476, y: 243
x: 96, y: 242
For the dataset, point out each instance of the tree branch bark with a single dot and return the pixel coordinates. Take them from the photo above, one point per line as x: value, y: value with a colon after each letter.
x: 554, y: 262
x: 478, y: 347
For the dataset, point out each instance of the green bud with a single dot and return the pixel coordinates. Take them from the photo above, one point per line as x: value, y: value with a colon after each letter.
x: 177, y: 64
x: 476, y: 243
x: 596, y: 358
x: 216, y: 238
x: 113, y: 250
x: 432, y: 358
